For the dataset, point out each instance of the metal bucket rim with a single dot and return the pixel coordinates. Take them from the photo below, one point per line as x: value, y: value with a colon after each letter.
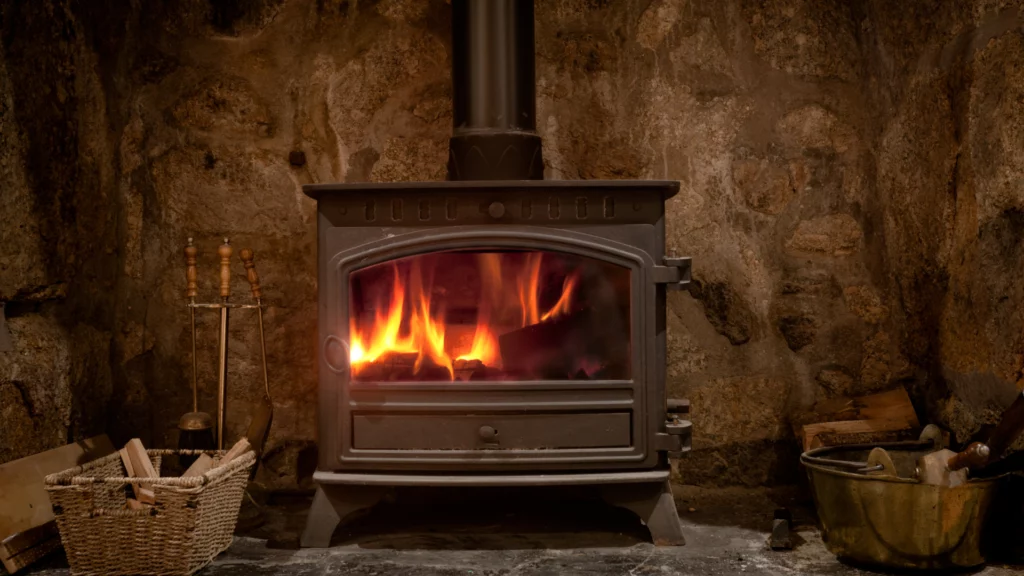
x: 807, y: 459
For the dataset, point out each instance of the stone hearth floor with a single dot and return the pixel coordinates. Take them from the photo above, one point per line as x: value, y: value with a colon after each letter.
x: 510, y: 533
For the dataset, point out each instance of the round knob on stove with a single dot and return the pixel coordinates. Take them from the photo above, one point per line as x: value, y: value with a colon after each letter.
x: 496, y: 209
x: 488, y: 434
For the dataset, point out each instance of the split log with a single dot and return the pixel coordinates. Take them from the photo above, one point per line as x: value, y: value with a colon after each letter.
x: 19, y: 550
x: 546, y: 349
x: 881, y: 417
x: 390, y: 367
x: 138, y: 465
x: 27, y: 529
x: 464, y: 369
x: 398, y: 360
x: 201, y: 466
x: 368, y: 372
x: 240, y: 447
x: 890, y: 405
x: 488, y: 374
x: 401, y: 367
x: 27, y: 555
x: 855, y: 432
x: 471, y: 364
x: 552, y: 349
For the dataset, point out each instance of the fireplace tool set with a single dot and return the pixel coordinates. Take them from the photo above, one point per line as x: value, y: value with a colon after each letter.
x: 197, y: 427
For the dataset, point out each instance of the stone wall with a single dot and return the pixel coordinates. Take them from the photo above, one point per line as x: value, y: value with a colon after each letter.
x: 847, y: 175
x: 58, y: 222
x: 949, y: 171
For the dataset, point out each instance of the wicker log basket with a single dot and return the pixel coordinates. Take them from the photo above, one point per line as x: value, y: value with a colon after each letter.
x: 191, y: 523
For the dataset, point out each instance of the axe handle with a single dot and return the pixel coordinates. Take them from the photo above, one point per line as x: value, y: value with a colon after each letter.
x: 973, y: 456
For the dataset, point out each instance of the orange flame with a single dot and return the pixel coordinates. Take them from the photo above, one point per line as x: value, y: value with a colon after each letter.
x: 564, y: 304
x: 412, y: 328
x: 485, y: 343
x: 527, y: 286
x: 384, y: 337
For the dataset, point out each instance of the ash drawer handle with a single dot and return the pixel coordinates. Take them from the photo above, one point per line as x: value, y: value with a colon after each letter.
x: 488, y: 434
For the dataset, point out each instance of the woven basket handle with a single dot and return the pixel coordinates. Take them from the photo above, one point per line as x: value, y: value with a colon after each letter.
x: 149, y: 511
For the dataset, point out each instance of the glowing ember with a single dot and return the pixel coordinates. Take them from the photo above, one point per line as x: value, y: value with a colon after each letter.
x: 412, y: 322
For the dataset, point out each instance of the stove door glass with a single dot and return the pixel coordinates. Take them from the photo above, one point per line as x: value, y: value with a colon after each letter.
x: 495, y: 315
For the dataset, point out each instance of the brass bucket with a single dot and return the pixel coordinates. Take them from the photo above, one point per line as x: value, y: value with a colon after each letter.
x: 871, y: 516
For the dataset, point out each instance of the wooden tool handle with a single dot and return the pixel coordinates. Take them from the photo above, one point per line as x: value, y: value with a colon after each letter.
x: 974, y: 456
x: 250, y: 271
x: 225, y: 268
x: 192, y: 290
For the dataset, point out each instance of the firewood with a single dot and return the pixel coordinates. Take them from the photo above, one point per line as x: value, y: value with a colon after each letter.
x: 20, y: 550
x: 547, y: 349
x: 27, y: 529
x: 134, y: 504
x: 853, y: 432
x: 885, y: 416
x: 552, y: 349
x: 891, y: 405
x: 141, y: 467
x: 129, y: 470
x: 240, y: 447
x: 464, y: 368
x: 201, y: 466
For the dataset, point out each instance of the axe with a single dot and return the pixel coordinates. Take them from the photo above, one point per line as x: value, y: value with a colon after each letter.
x: 948, y: 468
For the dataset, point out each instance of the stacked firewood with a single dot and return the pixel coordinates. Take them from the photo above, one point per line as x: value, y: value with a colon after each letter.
x: 138, y: 465
x: 883, y: 417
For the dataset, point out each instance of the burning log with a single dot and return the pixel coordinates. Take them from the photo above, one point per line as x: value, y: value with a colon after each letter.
x: 431, y: 372
x: 552, y: 349
x: 464, y: 369
x: 544, y: 348
x: 488, y: 374
x: 400, y: 367
x: 388, y: 367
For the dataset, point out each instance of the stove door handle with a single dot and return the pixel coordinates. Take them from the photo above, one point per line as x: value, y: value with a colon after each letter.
x: 336, y: 354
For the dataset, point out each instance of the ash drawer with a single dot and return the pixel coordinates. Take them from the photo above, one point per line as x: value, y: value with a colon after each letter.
x: 491, y: 432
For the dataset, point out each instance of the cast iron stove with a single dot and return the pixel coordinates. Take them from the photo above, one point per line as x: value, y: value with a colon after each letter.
x: 496, y: 329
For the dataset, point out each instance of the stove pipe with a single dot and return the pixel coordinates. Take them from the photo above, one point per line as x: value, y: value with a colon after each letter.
x: 494, y: 129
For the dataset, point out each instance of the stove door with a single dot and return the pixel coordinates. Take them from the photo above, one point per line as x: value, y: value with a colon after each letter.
x: 486, y: 349
x: 489, y: 315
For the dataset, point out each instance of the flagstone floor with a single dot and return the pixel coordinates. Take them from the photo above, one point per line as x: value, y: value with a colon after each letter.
x: 499, y: 533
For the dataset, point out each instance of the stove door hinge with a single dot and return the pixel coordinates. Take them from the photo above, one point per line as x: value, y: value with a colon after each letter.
x: 675, y: 439
x: 675, y: 274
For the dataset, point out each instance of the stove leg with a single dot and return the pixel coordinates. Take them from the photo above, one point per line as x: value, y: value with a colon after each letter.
x: 654, y: 504
x: 331, y: 505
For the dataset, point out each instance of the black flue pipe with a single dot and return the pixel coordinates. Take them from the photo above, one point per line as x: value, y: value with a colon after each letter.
x: 494, y: 128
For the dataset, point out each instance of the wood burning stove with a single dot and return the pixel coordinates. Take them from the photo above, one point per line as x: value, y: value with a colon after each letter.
x: 499, y: 331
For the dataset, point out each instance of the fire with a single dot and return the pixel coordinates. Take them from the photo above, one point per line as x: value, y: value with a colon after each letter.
x: 528, y: 288
x: 564, y: 304
x: 413, y: 321
x: 384, y: 337
x: 485, y: 343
